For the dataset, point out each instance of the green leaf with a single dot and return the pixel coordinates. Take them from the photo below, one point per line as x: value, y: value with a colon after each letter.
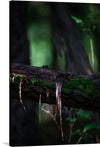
x: 77, y: 20
x: 68, y: 119
x: 79, y: 132
x: 85, y: 115
x: 86, y: 29
x: 91, y: 126
x: 74, y: 133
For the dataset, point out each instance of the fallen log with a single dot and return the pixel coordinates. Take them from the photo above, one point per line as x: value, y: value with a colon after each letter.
x: 78, y: 91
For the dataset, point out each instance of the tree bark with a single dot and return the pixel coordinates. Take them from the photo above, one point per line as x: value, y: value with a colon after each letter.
x: 79, y: 91
x: 67, y: 39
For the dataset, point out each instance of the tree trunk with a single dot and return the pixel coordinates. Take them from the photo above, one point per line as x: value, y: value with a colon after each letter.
x: 66, y: 38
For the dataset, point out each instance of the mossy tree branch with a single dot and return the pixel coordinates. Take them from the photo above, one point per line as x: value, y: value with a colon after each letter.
x: 79, y: 91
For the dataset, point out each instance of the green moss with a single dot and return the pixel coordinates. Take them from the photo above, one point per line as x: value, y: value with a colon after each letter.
x: 82, y: 86
x: 42, y: 83
x: 16, y: 76
x: 34, y: 80
x: 12, y: 79
x: 21, y: 76
x: 66, y: 90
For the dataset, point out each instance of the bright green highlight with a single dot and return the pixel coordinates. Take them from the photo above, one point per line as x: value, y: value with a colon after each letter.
x: 91, y: 126
x: 40, y: 43
x: 78, y: 20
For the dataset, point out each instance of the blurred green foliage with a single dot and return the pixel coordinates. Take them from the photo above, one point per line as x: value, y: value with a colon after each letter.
x: 40, y: 44
x: 39, y: 34
x: 83, y: 126
x: 87, y: 18
x: 88, y: 21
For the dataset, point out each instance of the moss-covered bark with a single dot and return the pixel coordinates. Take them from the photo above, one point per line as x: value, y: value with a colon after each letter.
x: 77, y: 91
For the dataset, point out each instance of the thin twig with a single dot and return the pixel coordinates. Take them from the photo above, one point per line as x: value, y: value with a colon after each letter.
x: 20, y: 85
x: 40, y: 108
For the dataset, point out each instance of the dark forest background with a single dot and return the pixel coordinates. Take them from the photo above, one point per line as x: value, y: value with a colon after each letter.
x: 64, y: 36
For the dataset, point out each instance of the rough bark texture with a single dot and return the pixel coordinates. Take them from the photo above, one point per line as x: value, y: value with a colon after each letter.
x: 80, y: 91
